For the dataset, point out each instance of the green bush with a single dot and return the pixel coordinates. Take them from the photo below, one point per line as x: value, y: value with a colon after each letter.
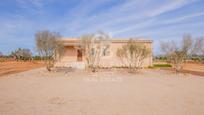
x: 161, y: 65
x: 37, y: 58
x: 151, y: 67
x: 195, y: 58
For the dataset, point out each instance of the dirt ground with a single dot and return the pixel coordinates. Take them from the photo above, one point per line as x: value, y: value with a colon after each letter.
x: 196, y: 68
x: 11, y: 67
x: 151, y: 92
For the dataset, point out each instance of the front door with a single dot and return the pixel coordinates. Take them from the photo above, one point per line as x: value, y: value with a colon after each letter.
x: 79, y: 55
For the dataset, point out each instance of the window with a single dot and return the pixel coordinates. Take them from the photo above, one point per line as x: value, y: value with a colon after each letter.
x: 106, y: 51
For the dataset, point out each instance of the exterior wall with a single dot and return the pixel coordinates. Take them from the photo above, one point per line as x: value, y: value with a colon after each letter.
x: 111, y: 60
x: 70, y: 53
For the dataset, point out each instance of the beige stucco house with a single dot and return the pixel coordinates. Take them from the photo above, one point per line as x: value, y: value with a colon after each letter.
x: 73, y: 56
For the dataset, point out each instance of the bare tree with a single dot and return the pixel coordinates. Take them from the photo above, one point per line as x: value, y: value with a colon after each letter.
x: 202, y: 45
x: 92, y: 46
x: 121, y: 54
x: 198, y: 48
x: 133, y: 54
x: 49, y: 46
x: 177, y: 53
x: 22, y: 54
x: 1, y: 54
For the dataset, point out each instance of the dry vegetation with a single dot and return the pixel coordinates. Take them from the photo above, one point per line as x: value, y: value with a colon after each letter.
x: 178, y: 53
x: 93, y: 45
x: 133, y: 54
x: 191, y: 67
x: 49, y: 46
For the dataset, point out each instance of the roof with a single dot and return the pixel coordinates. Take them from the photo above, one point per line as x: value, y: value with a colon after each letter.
x: 125, y: 40
x: 75, y: 40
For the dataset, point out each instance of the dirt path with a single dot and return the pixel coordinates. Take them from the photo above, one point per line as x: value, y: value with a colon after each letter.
x: 157, y: 92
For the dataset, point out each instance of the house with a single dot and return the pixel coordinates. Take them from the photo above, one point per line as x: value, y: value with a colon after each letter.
x: 74, y: 57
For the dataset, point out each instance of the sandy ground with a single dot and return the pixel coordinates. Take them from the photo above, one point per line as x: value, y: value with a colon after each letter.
x: 10, y: 67
x: 194, y: 67
x: 38, y: 92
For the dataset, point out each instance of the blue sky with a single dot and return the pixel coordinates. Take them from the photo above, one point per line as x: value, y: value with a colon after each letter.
x: 151, y: 19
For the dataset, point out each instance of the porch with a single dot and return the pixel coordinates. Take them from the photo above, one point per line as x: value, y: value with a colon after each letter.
x: 73, y: 57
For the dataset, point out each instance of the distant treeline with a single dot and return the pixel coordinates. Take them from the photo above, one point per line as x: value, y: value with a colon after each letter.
x: 22, y: 54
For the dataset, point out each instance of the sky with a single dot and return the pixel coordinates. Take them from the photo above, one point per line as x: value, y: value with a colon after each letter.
x: 158, y: 20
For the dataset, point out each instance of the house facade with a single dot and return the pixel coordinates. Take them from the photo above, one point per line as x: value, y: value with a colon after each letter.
x: 74, y: 57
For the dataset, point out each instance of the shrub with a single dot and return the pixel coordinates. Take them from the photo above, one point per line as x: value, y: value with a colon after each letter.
x: 93, y: 47
x: 151, y: 67
x: 37, y: 58
x: 49, y: 47
x: 133, y: 54
x: 162, y: 65
x: 22, y: 54
x: 177, y: 53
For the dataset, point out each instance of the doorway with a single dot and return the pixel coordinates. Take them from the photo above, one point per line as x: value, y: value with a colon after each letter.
x: 79, y: 55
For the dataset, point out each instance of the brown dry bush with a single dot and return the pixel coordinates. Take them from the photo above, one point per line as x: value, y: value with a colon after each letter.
x: 132, y: 55
x: 49, y: 46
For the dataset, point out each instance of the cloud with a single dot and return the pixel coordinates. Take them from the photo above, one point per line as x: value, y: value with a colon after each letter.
x: 170, y: 5
x: 123, y: 17
x: 105, y: 19
x: 150, y: 16
x: 164, y: 22
x: 182, y: 18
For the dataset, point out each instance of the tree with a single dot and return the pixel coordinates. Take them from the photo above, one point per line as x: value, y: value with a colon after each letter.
x: 1, y: 54
x: 22, y: 54
x: 177, y: 53
x: 198, y: 48
x: 92, y: 46
x: 49, y: 46
x: 133, y: 54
